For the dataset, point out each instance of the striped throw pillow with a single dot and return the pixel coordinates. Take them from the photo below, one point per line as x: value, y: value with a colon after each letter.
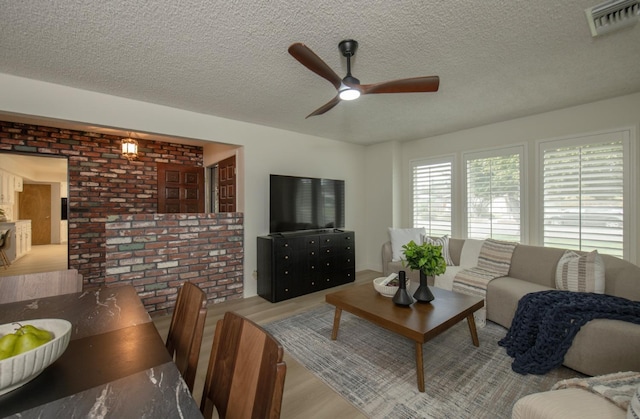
x: 495, y: 256
x: 581, y: 273
x: 444, y: 242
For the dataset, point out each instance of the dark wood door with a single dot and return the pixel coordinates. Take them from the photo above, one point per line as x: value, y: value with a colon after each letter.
x: 227, y: 185
x: 35, y: 205
x: 180, y: 188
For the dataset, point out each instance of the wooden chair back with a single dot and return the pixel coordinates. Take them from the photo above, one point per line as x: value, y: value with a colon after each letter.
x: 39, y: 285
x: 186, y: 329
x: 5, y: 243
x: 245, y: 378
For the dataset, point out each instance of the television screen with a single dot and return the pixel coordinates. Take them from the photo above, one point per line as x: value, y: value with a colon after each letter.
x: 300, y: 203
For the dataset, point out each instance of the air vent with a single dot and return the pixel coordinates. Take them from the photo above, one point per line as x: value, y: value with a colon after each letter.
x: 612, y: 15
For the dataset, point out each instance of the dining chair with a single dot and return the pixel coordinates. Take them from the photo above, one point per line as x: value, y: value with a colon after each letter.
x: 245, y: 377
x: 186, y: 329
x: 5, y: 243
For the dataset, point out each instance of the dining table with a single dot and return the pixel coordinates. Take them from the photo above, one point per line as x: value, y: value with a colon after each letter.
x: 116, y: 364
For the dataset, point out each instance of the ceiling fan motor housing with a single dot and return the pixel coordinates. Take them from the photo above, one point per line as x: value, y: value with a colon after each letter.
x: 348, y: 47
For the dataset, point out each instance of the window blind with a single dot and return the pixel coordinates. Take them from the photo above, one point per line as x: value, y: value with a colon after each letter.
x: 493, y: 197
x: 583, y: 197
x: 432, y: 197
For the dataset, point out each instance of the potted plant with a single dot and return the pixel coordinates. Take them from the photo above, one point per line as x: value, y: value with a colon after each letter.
x: 428, y: 260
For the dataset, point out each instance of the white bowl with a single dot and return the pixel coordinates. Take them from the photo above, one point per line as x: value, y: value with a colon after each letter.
x: 386, y: 290
x: 18, y: 370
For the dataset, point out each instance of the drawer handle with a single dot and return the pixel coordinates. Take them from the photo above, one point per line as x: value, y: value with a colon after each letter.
x: 286, y: 245
x: 313, y: 253
x: 286, y: 272
x: 286, y: 257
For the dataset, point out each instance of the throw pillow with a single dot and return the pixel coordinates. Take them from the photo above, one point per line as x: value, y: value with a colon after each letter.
x: 582, y: 273
x: 633, y: 412
x: 444, y: 242
x: 495, y: 256
x: 470, y: 252
x: 401, y: 236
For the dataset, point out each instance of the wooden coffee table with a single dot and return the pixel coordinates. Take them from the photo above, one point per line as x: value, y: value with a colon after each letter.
x: 419, y: 322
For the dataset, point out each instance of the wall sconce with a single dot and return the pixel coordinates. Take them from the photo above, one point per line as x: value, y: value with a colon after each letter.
x: 129, y: 148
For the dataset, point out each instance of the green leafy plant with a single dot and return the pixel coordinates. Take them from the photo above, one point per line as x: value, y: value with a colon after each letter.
x: 424, y: 257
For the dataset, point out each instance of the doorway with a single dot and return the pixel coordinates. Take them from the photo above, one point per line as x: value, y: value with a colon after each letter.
x: 38, y: 203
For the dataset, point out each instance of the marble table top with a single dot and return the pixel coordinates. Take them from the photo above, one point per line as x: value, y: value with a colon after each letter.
x: 116, y: 364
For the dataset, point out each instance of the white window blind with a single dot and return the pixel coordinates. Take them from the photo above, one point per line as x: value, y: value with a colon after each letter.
x: 432, y: 197
x: 583, y: 195
x: 494, y: 195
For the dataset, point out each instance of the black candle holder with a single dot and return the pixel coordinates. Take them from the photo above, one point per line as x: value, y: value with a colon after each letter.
x: 402, y: 297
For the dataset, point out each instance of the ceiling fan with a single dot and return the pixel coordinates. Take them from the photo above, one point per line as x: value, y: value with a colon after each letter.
x: 349, y: 87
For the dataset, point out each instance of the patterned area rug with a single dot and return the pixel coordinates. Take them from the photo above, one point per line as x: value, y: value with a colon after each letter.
x: 375, y: 369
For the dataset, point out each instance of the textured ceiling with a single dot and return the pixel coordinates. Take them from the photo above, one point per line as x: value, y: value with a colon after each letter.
x: 496, y: 59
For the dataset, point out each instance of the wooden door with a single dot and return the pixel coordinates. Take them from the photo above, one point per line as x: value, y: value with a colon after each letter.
x: 180, y: 188
x: 35, y: 205
x: 227, y: 185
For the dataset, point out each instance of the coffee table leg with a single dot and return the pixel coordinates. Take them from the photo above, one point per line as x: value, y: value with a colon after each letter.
x: 419, y: 367
x: 472, y: 328
x: 336, y: 323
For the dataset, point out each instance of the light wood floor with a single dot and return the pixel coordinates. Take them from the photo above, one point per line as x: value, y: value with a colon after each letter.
x: 305, y: 396
x: 41, y: 258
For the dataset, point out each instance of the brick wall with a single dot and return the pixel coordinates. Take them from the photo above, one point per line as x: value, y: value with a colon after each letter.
x: 102, y: 183
x: 156, y: 253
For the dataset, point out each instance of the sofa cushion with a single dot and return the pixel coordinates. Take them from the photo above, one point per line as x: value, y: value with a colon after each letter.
x: 444, y: 243
x: 604, y: 346
x: 582, y: 273
x: 503, y: 295
x: 470, y: 252
x: 566, y: 403
x: 401, y: 236
x: 445, y: 281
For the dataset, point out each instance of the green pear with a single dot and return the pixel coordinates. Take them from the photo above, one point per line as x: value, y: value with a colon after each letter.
x: 41, y: 333
x: 7, y: 344
x: 27, y: 342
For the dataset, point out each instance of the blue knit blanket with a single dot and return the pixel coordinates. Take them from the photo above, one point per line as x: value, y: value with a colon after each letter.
x: 546, y: 322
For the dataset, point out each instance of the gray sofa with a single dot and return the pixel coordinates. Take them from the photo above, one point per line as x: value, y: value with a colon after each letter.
x: 602, y: 346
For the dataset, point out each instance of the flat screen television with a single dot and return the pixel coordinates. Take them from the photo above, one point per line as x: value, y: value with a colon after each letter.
x: 303, y: 203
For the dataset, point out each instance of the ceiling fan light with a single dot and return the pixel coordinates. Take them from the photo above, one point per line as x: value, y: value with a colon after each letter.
x: 349, y: 94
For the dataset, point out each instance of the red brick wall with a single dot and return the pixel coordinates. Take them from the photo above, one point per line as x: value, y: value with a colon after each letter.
x: 101, y: 182
x: 156, y: 253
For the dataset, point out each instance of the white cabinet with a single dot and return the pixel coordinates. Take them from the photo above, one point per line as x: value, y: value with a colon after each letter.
x: 18, y: 184
x: 8, y: 182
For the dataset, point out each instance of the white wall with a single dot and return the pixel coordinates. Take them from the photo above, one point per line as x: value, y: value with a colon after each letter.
x: 266, y: 150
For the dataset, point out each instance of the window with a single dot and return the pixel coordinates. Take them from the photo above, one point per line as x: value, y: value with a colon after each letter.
x: 432, y: 196
x: 493, y: 194
x: 583, y: 192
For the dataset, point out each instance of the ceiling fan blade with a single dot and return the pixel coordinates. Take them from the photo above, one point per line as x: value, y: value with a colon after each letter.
x: 324, y: 108
x: 413, y: 85
x: 309, y: 59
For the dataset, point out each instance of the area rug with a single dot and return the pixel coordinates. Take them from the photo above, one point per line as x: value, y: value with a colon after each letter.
x: 375, y: 369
